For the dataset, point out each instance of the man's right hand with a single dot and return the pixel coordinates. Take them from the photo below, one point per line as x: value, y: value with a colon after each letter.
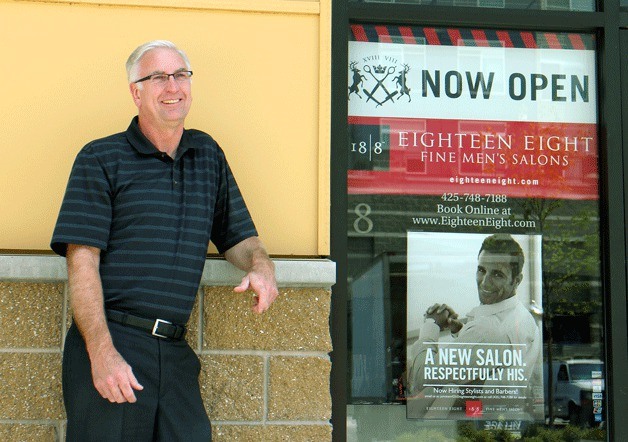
x: 113, y: 377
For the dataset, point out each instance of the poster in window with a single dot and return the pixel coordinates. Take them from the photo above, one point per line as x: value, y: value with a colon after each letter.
x: 458, y: 136
x: 474, y: 340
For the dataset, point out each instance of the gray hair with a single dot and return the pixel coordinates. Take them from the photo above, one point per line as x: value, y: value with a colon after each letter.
x: 135, y: 57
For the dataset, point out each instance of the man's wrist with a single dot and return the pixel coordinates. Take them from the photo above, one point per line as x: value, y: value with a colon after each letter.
x: 432, y: 322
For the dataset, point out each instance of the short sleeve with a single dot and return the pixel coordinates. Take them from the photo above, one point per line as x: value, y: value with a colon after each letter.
x: 232, y: 221
x: 85, y: 215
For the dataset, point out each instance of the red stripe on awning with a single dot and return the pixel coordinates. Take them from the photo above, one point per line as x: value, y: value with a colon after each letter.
x: 480, y: 37
x: 382, y: 33
x: 528, y: 40
x: 576, y: 41
x: 504, y: 37
x: 359, y: 33
x: 407, y: 35
x: 552, y: 41
x: 456, y: 38
x: 432, y: 36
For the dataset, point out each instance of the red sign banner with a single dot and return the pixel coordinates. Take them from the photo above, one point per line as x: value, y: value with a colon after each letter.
x: 518, y: 159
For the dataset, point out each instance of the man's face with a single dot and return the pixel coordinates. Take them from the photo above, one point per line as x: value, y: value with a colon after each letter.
x: 162, y: 105
x: 494, y: 277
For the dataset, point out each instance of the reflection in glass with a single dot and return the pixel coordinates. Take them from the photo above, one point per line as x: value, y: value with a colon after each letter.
x: 547, y: 5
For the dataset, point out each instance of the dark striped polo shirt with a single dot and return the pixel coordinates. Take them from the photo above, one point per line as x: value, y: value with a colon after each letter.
x: 152, y: 217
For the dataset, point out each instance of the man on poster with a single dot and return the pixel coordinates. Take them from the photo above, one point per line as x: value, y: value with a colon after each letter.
x: 499, y: 338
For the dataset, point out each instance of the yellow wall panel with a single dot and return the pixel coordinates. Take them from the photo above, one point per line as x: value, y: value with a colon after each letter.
x: 255, y: 89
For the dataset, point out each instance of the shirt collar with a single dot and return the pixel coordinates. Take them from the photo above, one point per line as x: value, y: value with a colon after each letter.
x: 492, y: 309
x: 143, y: 145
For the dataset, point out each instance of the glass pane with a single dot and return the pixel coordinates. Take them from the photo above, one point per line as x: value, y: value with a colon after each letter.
x: 473, y: 235
x: 549, y: 5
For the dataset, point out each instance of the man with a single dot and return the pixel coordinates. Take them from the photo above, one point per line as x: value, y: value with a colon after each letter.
x: 501, y: 326
x: 140, y: 209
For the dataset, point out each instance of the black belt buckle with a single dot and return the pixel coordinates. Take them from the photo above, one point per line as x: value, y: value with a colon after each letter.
x: 155, y: 331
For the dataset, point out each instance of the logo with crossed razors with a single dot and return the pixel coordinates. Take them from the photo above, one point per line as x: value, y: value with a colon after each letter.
x: 379, y: 83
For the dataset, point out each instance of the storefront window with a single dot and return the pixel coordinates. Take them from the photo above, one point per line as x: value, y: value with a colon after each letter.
x: 549, y: 5
x: 474, y: 285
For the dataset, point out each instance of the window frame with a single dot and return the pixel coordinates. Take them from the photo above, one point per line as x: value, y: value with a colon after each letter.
x: 606, y: 24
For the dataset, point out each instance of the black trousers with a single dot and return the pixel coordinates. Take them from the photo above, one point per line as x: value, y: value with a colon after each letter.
x: 169, y: 408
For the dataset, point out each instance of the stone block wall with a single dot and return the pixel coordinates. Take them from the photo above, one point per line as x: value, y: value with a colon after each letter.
x: 264, y: 377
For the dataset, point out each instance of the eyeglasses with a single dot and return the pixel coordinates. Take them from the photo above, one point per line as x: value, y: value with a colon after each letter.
x: 162, y: 78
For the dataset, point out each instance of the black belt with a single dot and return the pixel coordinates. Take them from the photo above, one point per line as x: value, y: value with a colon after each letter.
x: 157, y: 327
